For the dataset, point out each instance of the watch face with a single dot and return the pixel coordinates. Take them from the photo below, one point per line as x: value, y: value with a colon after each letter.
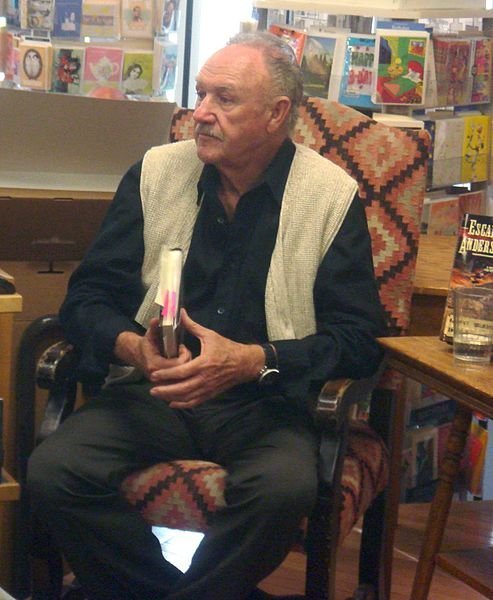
x: 269, y: 377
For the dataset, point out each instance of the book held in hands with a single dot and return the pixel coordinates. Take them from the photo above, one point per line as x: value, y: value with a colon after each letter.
x: 169, y: 299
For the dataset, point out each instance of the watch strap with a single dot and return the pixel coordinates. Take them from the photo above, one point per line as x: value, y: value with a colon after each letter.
x: 270, y: 356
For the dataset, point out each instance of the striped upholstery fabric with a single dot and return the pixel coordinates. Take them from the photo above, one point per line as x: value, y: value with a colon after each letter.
x: 390, y: 167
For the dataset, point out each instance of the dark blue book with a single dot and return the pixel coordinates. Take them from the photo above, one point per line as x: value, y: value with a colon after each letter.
x: 434, y: 414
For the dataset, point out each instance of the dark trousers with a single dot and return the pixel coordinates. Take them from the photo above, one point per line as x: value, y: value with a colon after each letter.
x: 268, y: 449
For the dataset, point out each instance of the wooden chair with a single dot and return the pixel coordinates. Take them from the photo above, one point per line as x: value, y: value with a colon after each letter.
x: 389, y: 165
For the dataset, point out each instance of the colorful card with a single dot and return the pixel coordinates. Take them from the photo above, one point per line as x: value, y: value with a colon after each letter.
x: 137, y: 18
x: 35, y: 58
x: 452, y: 59
x: 166, y: 16
x: 37, y: 14
x: 68, y: 16
x: 319, y: 54
x: 296, y: 39
x: 356, y: 82
x: 164, y: 69
x: 448, y: 136
x: 100, y: 18
x: 401, y: 65
x: 102, y: 68
x: 475, y: 148
x: 68, y: 66
x: 137, y: 73
x: 481, y: 70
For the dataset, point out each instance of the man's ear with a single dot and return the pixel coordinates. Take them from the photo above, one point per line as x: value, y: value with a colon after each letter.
x: 279, y: 114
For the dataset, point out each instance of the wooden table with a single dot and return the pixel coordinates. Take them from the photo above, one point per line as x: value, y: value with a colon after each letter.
x: 430, y: 361
x: 431, y: 283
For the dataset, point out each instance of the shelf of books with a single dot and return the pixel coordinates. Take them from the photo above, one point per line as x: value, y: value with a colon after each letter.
x: 431, y: 73
x: 102, y: 48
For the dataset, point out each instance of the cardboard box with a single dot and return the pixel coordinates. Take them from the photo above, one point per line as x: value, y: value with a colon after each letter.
x: 67, y: 142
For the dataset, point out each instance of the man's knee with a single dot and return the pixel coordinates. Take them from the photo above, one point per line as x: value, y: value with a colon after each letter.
x: 291, y: 490
x: 44, y: 474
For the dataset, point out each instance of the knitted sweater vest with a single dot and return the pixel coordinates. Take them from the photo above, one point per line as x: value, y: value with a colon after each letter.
x: 316, y: 199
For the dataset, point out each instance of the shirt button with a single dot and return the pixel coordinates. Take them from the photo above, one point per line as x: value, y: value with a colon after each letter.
x: 220, y: 220
x: 221, y: 310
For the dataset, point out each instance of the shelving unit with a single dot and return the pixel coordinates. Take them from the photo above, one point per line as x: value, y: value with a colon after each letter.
x: 313, y: 12
x: 373, y: 9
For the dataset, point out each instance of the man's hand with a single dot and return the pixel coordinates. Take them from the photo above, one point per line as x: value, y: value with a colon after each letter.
x: 143, y: 351
x: 221, y: 365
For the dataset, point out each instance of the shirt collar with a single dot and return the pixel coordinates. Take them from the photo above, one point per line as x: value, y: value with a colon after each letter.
x: 275, y: 176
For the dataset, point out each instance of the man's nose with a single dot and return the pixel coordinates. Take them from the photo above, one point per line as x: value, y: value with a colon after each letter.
x: 203, y: 110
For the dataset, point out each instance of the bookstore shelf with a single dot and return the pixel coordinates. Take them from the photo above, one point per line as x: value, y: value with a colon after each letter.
x: 452, y: 100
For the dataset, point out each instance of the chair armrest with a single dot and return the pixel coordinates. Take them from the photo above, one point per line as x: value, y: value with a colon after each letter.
x: 338, y: 396
x: 56, y: 365
x: 335, y: 400
x: 56, y: 372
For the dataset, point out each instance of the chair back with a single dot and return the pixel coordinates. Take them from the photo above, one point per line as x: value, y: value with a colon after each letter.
x: 389, y: 165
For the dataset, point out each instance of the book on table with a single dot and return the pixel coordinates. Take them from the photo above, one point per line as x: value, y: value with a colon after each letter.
x: 472, y: 264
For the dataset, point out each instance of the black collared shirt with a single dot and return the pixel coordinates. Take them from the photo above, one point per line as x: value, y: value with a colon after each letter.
x: 224, y: 282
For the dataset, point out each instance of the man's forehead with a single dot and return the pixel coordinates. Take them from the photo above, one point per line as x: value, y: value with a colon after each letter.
x: 231, y: 65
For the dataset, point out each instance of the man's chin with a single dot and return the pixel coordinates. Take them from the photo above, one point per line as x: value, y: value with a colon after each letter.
x: 206, y: 154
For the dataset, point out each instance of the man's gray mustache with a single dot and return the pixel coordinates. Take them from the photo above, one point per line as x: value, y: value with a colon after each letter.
x: 207, y: 130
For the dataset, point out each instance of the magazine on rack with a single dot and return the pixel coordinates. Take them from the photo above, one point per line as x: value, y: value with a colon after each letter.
x: 169, y: 299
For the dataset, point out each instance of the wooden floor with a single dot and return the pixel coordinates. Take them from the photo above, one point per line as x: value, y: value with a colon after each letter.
x: 470, y: 525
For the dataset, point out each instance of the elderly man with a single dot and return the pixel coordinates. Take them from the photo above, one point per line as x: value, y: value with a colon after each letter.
x: 280, y: 296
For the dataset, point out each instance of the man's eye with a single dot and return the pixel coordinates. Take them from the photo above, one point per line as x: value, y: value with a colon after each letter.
x: 200, y: 95
x: 225, y: 100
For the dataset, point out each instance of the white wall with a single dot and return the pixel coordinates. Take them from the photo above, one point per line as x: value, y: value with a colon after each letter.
x: 214, y: 22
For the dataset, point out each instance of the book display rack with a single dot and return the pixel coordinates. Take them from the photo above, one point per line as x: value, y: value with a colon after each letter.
x: 102, y: 48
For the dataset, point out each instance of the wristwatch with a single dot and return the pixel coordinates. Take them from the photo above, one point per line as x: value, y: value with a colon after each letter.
x: 269, y: 373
